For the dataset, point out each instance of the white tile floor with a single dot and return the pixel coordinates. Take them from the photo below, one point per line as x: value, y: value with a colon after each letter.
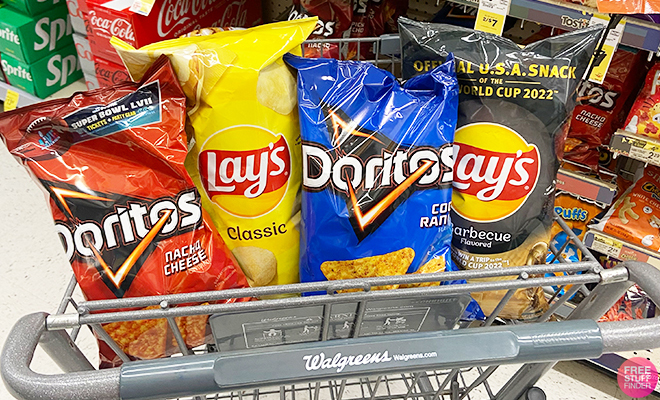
x: 34, y: 274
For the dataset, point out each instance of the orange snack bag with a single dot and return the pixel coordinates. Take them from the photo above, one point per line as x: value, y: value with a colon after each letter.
x: 635, y: 217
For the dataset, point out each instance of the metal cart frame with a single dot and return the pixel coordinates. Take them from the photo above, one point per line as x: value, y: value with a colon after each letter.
x: 434, y: 365
x: 540, y: 345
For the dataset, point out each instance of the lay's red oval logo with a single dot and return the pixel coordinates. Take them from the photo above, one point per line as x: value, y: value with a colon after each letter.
x: 245, y: 181
x: 495, y: 171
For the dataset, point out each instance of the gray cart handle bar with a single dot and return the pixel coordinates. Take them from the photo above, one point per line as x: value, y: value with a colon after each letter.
x: 331, y: 360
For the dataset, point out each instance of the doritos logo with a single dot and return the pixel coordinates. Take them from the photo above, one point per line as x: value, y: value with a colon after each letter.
x: 119, y: 242
x: 502, y: 176
x: 233, y: 174
x: 370, y: 171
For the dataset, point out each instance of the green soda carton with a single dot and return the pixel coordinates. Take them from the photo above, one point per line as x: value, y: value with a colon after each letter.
x: 33, y: 7
x: 30, y: 39
x: 46, y: 76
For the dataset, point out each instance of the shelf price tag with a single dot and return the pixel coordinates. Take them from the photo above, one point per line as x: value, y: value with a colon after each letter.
x: 11, y: 101
x: 606, y: 245
x: 609, y: 47
x: 142, y: 7
x: 491, y: 16
x: 643, y: 150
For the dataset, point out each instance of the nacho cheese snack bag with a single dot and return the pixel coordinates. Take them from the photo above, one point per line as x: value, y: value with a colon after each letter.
x: 376, y: 170
x: 245, y: 152
x: 129, y: 217
x: 513, y: 107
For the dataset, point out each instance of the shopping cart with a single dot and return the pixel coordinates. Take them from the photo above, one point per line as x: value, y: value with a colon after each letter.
x: 452, y: 363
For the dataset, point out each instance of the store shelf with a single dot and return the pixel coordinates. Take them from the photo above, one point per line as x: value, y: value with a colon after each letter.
x: 635, y: 146
x: 619, y: 249
x: 586, y: 187
x: 25, y: 99
x: 568, y: 16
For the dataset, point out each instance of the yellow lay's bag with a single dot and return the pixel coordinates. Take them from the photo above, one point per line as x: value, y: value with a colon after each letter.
x: 244, y: 155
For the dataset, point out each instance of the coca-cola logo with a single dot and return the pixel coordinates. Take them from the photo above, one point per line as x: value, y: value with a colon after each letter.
x: 74, y: 10
x: 111, y: 76
x: 234, y: 15
x: 118, y: 27
x: 83, y: 52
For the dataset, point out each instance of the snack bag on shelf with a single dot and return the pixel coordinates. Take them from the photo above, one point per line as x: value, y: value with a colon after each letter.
x: 377, y: 170
x: 635, y: 217
x: 335, y: 18
x: 129, y: 216
x: 576, y: 212
x: 602, y: 109
x: 513, y: 105
x: 644, y: 117
x: 635, y: 304
x: 245, y: 149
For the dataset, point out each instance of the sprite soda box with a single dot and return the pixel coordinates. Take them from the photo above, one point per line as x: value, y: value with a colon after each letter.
x: 34, y: 7
x: 46, y: 76
x: 30, y: 39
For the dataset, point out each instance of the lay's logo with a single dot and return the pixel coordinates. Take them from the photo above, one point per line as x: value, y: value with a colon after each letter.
x: 495, y: 165
x: 232, y: 174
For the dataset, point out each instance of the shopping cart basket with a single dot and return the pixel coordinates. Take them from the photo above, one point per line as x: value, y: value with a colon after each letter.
x: 453, y: 363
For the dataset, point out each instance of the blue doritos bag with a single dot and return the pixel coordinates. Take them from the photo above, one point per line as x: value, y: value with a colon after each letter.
x: 377, y: 169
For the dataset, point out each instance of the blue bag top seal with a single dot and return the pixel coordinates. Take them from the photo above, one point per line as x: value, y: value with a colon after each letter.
x: 377, y: 169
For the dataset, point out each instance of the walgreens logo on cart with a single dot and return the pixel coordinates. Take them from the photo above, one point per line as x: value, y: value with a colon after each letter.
x: 339, y: 361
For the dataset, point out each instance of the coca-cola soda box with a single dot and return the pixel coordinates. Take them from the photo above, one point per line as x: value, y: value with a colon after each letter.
x: 84, y: 53
x: 78, y: 16
x: 101, y: 47
x: 167, y: 19
x: 109, y: 73
x: 90, y: 80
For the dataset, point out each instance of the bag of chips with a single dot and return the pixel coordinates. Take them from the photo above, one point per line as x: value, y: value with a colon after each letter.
x: 513, y: 104
x: 602, y: 109
x: 128, y: 214
x: 335, y: 18
x: 246, y: 141
x: 635, y: 216
x: 644, y: 117
x: 376, y: 164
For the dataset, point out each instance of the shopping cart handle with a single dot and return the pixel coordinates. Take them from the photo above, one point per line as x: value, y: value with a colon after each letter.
x: 336, y: 359
x: 25, y: 384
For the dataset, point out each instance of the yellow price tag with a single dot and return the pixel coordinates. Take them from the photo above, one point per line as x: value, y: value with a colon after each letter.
x: 609, y: 47
x: 491, y: 16
x: 489, y: 22
x: 11, y: 101
x: 142, y: 7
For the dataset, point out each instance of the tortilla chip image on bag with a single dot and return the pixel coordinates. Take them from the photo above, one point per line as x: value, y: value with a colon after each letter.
x: 513, y: 106
x: 129, y: 217
x: 377, y: 170
x: 245, y: 148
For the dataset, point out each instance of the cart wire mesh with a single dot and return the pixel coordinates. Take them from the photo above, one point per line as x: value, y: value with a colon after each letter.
x: 560, y: 279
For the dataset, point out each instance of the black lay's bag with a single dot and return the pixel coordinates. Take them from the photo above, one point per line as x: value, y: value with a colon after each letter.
x: 513, y: 107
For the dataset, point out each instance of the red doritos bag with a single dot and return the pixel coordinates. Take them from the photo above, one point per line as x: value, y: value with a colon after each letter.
x: 335, y: 19
x: 126, y: 210
x: 601, y: 109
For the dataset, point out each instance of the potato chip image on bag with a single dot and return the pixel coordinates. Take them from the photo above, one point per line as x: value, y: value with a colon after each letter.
x: 377, y: 170
x: 245, y: 149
